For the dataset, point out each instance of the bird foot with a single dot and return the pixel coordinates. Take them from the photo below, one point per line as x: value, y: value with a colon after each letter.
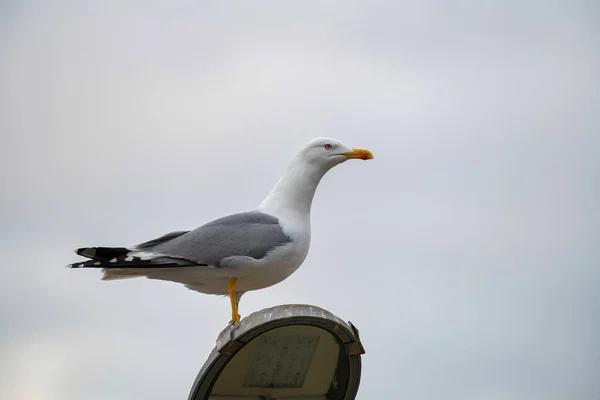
x: 235, y: 319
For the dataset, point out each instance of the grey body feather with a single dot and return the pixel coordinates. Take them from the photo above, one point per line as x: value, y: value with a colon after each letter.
x: 250, y: 234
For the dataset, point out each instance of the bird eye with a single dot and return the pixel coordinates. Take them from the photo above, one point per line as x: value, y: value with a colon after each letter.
x: 328, y: 146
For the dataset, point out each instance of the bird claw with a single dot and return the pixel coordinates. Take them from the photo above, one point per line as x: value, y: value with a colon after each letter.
x: 235, y: 319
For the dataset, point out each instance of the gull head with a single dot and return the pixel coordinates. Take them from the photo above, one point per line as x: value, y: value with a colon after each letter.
x: 292, y: 196
x: 327, y: 153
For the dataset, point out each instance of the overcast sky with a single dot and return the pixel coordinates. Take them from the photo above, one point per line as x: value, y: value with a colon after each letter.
x: 467, y: 253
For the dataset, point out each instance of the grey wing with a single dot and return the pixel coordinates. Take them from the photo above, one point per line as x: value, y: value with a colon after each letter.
x: 250, y: 234
x: 157, y: 241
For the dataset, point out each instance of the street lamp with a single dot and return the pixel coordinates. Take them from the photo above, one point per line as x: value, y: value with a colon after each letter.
x: 291, y: 352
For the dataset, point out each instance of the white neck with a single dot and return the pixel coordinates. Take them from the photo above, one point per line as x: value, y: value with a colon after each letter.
x: 292, y: 196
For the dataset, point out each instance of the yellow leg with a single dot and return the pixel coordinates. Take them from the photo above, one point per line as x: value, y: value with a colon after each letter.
x: 235, y: 317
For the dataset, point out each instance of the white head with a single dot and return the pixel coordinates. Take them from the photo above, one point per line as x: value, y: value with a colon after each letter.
x: 326, y: 153
x: 294, y: 192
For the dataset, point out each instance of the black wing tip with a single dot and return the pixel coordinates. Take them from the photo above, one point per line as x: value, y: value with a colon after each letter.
x: 85, y: 264
x: 115, y: 262
x: 102, y: 253
x: 132, y: 262
x: 80, y: 250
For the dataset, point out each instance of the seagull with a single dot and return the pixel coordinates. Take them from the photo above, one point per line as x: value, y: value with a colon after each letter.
x: 240, y: 252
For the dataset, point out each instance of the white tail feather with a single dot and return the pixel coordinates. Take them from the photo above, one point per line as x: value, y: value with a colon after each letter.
x: 113, y: 274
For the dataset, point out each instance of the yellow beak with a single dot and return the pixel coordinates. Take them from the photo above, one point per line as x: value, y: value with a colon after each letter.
x: 359, y: 153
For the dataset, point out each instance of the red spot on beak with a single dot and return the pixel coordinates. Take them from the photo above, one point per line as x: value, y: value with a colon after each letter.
x: 364, y: 157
